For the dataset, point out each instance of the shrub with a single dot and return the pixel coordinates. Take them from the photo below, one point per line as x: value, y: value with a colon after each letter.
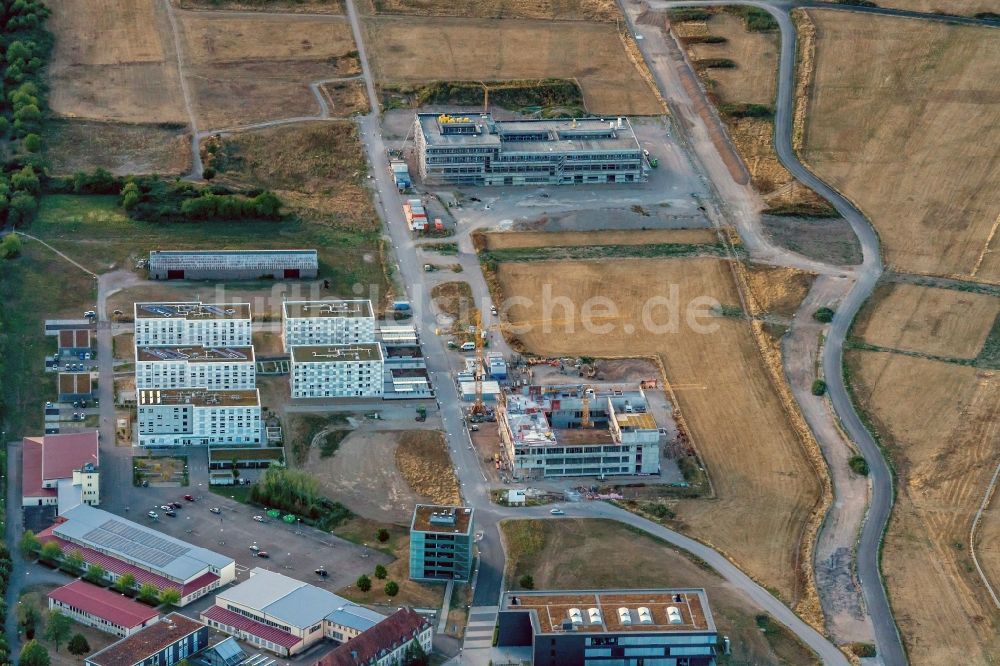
x: 383, y: 535
x: 819, y: 387
x: 746, y: 110
x: 391, y: 588
x: 527, y: 582
x: 859, y: 465
x: 364, y: 583
x: 78, y: 645
x: 864, y: 650
x: 380, y: 572
x: 717, y: 63
x: 824, y: 315
x: 32, y: 143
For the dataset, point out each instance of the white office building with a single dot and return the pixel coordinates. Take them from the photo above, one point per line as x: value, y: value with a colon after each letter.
x: 202, y: 324
x: 327, y: 323
x: 337, y: 371
x: 195, y: 367
x: 199, y: 417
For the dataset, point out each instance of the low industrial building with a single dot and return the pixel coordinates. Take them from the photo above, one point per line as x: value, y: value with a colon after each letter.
x: 609, y: 627
x: 337, y: 371
x: 286, y: 616
x: 75, y: 386
x: 385, y: 644
x: 169, y: 367
x: 187, y: 324
x: 441, y: 540
x: 233, y: 264
x: 60, y: 470
x: 199, y: 417
x: 327, y: 323
x: 98, y: 607
x: 479, y: 150
x: 406, y: 374
x: 558, y: 431
x: 75, y: 342
x: 173, y: 639
x: 120, y: 546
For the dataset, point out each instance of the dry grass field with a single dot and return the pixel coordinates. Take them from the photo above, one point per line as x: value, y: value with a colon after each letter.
x: 310, y: 6
x: 114, y: 60
x: 422, y: 459
x: 776, y: 289
x: 84, y: 145
x: 942, y: 322
x: 961, y: 7
x: 940, y: 423
x: 574, y: 554
x: 766, y: 486
x: 528, y: 239
x: 345, y: 98
x: 317, y: 168
x: 252, y: 68
x: 754, y: 80
x: 411, y: 50
x: 904, y: 118
x: 558, y: 10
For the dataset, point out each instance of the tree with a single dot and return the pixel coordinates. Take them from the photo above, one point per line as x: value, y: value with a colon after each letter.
x: 10, y: 247
x: 26, y: 180
x: 364, y: 583
x: 58, y: 627
x: 414, y: 655
x: 28, y: 618
x: 149, y: 593
x: 95, y: 573
x: 527, y: 582
x: 32, y: 143
x: 74, y: 562
x: 78, y: 645
x: 125, y: 582
x: 818, y: 387
x: 29, y: 543
x: 170, y: 596
x: 51, y: 552
x: 383, y: 535
x: 34, y: 654
x: 22, y: 208
x: 267, y: 204
x: 824, y: 315
x: 130, y: 195
x: 208, y: 173
x: 380, y: 572
x: 391, y: 588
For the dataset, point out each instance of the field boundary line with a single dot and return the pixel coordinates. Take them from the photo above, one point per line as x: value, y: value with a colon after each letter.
x: 986, y: 248
x: 987, y: 497
x: 61, y: 254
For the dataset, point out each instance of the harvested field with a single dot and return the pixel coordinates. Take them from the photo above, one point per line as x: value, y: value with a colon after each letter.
x: 558, y: 10
x: 114, y: 60
x: 574, y: 554
x: 318, y: 169
x: 531, y: 239
x: 767, y: 488
x: 412, y: 50
x: 942, y: 322
x: 960, y: 7
x: 826, y: 239
x: 359, y: 475
x: 283, y: 6
x: 940, y: 423
x: 904, y: 118
x: 422, y: 459
x: 247, y: 69
x: 82, y: 145
x: 778, y: 290
x: 754, y: 80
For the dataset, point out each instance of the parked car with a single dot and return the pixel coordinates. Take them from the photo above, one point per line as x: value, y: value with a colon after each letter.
x: 259, y: 519
x: 557, y: 512
x: 166, y: 507
x: 215, y: 509
x: 176, y: 505
x: 153, y: 515
x: 171, y: 513
x: 254, y: 548
x: 321, y: 572
x: 189, y: 498
x: 263, y: 553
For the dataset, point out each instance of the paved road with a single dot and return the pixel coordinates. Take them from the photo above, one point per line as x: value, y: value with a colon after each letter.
x: 888, y: 641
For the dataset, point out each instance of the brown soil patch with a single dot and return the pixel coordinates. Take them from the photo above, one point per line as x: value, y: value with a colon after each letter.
x: 778, y: 290
x: 943, y: 322
x: 422, y: 458
x: 904, y: 118
x: 318, y: 169
x: 528, y: 239
x: 568, y: 554
x: 454, y: 298
x: 561, y: 10
x: 114, y: 60
x: 766, y: 486
x: 81, y: 145
x: 940, y: 422
x: 754, y: 80
x: 345, y: 98
x: 413, y: 50
x: 247, y: 69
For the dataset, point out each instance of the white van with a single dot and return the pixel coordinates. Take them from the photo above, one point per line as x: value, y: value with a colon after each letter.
x: 468, y: 346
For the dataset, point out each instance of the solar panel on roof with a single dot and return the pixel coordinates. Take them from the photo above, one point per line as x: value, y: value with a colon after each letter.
x: 137, y: 544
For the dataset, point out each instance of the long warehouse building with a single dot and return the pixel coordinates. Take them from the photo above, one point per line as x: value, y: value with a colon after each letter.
x: 233, y: 264
x: 479, y: 150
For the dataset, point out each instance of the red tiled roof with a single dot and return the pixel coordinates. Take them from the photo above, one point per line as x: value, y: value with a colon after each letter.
x: 266, y: 632
x: 61, y: 454
x: 116, y: 566
x: 104, y: 604
x: 31, y: 469
x: 147, y: 642
x: 397, y: 629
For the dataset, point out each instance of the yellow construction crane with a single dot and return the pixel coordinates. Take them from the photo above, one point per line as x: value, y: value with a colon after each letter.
x: 479, y: 407
x: 486, y: 97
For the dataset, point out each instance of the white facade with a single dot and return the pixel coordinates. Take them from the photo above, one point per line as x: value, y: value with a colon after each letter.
x: 395, y: 657
x: 99, y: 623
x: 89, y: 481
x: 337, y: 371
x: 327, y: 323
x: 205, y: 324
x: 195, y: 367
x: 198, y: 417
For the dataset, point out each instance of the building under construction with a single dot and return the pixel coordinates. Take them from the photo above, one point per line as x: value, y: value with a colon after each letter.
x: 478, y: 150
x: 555, y: 431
